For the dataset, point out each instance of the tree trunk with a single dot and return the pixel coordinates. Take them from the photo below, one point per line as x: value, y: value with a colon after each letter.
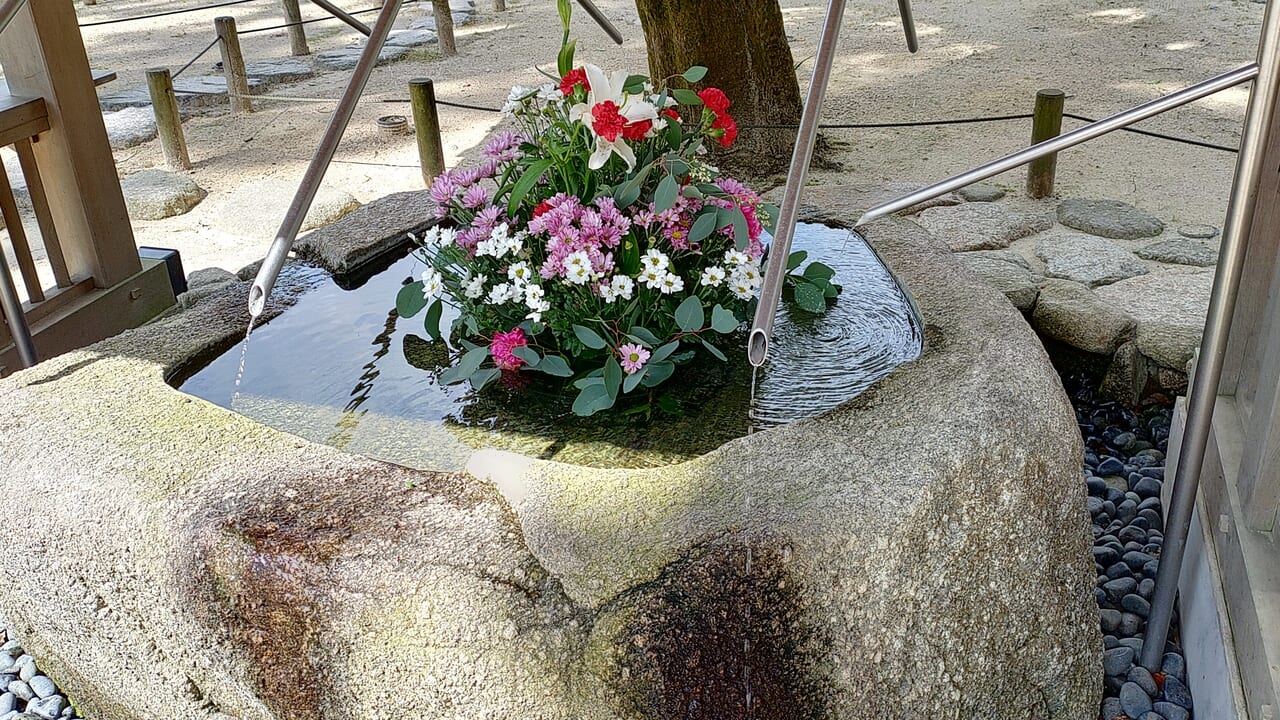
x: 744, y: 46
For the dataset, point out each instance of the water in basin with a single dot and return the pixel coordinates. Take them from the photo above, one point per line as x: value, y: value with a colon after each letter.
x: 341, y: 368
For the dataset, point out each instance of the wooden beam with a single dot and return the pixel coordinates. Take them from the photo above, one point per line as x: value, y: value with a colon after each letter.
x: 18, y: 238
x: 40, y: 203
x: 43, y: 56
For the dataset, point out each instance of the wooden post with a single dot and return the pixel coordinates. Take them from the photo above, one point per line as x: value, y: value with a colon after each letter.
x: 297, y: 33
x: 233, y: 65
x: 1046, y: 124
x: 168, y: 121
x: 43, y: 56
x: 426, y: 124
x: 500, y: 5
x: 40, y: 203
x: 444, y: 28
x: 18, y: 239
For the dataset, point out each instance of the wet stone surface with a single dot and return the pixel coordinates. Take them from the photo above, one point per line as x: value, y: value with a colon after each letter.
x: 1124, y: 471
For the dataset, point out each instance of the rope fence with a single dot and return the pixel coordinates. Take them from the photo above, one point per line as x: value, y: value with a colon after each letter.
x: 133, y: 18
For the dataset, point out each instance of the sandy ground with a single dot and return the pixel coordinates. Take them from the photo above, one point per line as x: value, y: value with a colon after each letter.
x: 976, y: 58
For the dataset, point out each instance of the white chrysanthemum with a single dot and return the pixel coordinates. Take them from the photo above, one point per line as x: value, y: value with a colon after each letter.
x: 535, y: 299
x: 577, y: 268
x: 474, y: 287
x: 671, y: 283
x: 623, y: 287
x: 445, y: 236
x: 713, y: 276
x: 655, y: 260
x: 432, y: 284
x: 548, y: 94
x: 503, y: 293
x: 748, y: 274
x: 735, y: 257
x: 742, y: 290
x: 606, y: 293
x: 520, y: 273
x: 652, y: 278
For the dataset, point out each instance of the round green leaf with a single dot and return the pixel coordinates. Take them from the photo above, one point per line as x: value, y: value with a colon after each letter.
x: 657, y: 373
x: 810, y: 297
x: 409, y: 301
x: 555, y: 365
x: 592, y: 400
x: 528, y: 355
x: 432, y: 321
x: 689, y: 315
x: 695, y: 74
x: 664, y: 198
x: 722, y: 320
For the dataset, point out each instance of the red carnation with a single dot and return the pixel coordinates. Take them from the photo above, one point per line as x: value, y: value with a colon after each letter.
x: 726, y: 123
x: 543, y: 208
x: 715, y: 100
x: 637, y: 130
x: 572, y: 79
x: 609, y: 122
x: 671, y: 113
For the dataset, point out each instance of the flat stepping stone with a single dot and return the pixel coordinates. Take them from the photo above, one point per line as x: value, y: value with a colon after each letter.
x: 1109, y: 219
x: 1014, y: 280
x: 1009, y: 256
x: 1180, y: 252
x: 1198, y: 232
x: 346, y: 58
x: 129, y: 126
x: 982, y: 226
x: 1088, y: 260
x: 1074, y: 314
x: 1170, y: 309
x: 413, y: 38
x: 981, y: 192
x: 279, y: 70
x: 157, y: 194
x: 191, y: 92
x: 256, y: 208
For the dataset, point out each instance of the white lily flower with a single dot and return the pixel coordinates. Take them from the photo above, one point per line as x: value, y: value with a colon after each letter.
x: 630, y: 108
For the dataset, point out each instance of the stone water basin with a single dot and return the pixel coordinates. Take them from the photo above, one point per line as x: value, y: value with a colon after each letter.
x: 920, y: 550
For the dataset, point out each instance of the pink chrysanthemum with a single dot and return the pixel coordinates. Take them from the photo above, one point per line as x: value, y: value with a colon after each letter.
x: 633, y: 357
x: 503, y: 345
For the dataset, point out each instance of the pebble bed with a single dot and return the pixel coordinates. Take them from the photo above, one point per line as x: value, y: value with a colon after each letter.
x: 1124, y: 469
x: 27, y: 694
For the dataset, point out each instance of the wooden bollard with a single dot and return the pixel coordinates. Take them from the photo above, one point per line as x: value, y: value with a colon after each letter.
x: 426, y: 125
x: 168, y: 122
x: 297, y: 34
x: 500, y: 5
x: 1046, y: 124
x: 444, y: 28
x: 233, y: 65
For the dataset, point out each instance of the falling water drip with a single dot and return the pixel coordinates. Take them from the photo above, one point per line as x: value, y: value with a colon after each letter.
x: 244, y: 354
x: 751, y: 404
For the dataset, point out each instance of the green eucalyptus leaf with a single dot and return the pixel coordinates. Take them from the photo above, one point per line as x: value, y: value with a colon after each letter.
x: 409, y: 301
x: 431, y: 323
x: 658, y: 373
x: 714, y: 351
x: 695, y: 74
x: 643, y: 336
x: 592, y: 400
x: 471, y: 361
x: 703, y: 227
x: 690, y: 315
x: 528, y: 355
x: 723, y: 321
x: 589, y: 337
x: 810, y: 297
x: 690, y: 191
x: 831, y: 290
x: 635, y: 84
x: 674, y: 135
x: 612, y: 378
x: 741, y: 235
x: 686, y: 97
x: 772, y: 212
x: 588, y: 381
x: 664, y: 198
x: 797, y: 259
x: 483, y: 377
x: 665, y: 351
x: 818, y: 271
x: 632, y: 381
x: 526, y: 183
x: 555, y: 366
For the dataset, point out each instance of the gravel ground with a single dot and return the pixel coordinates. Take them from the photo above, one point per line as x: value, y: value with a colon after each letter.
x: 25, y: 694
x: 1124, y: 469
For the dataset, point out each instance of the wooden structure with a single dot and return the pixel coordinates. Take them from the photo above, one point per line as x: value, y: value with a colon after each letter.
x: 51, y: 117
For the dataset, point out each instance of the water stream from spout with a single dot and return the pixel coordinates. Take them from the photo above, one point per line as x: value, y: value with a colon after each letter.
x: 244, y: 355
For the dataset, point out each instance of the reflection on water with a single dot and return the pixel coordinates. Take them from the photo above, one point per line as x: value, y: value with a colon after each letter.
x: 341, y: 368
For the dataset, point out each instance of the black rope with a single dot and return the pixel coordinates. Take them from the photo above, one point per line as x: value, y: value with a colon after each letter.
x: 197, y: 57
x: 912, y: 123
x: 1148, y: 133
x: 305, y: 22
x: 464, y: 106
x: 167, y: 12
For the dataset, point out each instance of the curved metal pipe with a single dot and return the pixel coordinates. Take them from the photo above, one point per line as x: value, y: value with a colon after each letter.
x: 784, y: 232
x: 604, y: 22
x: 288, y: 232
